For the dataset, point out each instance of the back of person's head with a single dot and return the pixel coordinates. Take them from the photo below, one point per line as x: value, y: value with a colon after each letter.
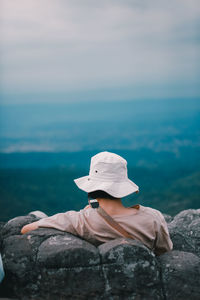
x: 100, y: 195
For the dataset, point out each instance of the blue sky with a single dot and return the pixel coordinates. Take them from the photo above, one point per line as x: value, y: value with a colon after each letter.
x: 60, y: 51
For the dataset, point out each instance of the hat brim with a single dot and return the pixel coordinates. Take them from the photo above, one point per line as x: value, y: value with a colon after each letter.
x: 115, y: 189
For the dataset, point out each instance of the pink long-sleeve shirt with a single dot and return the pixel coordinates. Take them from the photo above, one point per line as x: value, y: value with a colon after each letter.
x: 145, y: 224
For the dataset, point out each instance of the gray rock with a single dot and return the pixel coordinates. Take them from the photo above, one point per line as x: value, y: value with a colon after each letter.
x: 186, y: 217
x: 1, y: 227
x: 180, y: 275
x: 121, y: 249
x: 168, y: 218
x: 131, y: 270
x: 69, y: 283
x: 51, y: 264
x: 47, y: 263
x: 185, y: 231
x: 19, y: 256
x: 14, y: 226
x: 18, y: 263
x: 67, y: 251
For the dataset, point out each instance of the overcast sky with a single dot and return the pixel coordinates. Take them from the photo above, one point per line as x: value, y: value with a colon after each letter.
x: 99, y: 50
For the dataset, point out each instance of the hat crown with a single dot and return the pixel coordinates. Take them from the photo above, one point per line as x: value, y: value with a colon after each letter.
x: 108, y: 166
x: 107, y: 157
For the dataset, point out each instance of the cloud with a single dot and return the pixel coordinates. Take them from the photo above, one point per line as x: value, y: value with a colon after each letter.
x: 80, y: 46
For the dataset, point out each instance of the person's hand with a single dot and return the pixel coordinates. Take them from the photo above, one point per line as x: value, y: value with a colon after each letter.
x: 29, y: 227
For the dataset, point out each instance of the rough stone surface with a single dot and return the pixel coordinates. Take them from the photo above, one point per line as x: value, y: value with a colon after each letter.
x: 52, y: 264
x: 185, y: 231
x: 15, y: 225
x: 62, y: 251
x: 168, y: 218
x: 130, y: 269
x: 1, y: 228
x: 180, y: 275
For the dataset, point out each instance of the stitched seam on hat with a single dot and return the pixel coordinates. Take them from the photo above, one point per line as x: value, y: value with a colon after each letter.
x: 107, y: 180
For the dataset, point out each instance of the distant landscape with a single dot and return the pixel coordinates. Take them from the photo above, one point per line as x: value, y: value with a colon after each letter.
x: 44, y: 147
x: 158, y: 125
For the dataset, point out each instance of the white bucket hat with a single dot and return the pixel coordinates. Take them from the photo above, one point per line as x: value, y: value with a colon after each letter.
x: 108, y: 173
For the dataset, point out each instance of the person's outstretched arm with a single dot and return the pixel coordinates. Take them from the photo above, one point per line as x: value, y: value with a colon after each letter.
x: 70, y: 221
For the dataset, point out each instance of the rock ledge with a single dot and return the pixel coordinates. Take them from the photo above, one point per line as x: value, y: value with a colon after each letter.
x: 51, y: 264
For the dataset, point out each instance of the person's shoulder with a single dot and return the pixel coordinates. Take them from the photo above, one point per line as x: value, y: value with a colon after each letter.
x: 88, y: 211
x: 154, y: 213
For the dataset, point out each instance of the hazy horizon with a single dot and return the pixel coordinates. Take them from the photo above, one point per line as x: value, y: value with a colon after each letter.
x: 156, y: 125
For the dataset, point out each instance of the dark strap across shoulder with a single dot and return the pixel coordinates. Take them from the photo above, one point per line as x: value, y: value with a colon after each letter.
x: 113, y: 223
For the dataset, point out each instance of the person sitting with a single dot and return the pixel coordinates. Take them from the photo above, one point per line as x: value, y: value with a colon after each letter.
x: 106, y: 218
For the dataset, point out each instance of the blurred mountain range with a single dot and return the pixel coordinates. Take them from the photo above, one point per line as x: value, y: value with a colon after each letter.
x: 165, y: 125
